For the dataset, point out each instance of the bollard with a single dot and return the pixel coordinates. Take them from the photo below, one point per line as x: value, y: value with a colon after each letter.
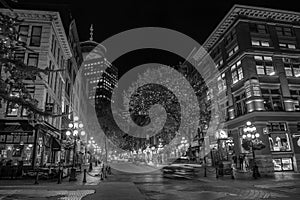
x: 36, y: 177
x: 91, y: 167
x: 205, y: 175
x: 232, y: 175
x: 59, y: 176
x: 84, y: 176
x: 101, y: 176
x: 217, y: 173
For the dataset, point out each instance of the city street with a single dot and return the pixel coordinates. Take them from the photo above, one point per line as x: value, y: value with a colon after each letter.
x: 152, y: 186
x: 149, y: 100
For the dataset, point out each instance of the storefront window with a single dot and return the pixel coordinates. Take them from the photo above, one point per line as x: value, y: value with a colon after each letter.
x: 283, y: 164
x: 12, y: 109
x: 12, y: 153
x: 279, y: 142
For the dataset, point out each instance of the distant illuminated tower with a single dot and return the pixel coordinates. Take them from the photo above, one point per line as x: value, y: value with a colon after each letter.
x: 99, y: 72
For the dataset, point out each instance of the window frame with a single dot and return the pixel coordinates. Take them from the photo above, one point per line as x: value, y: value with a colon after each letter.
x: 287, y: 63
x: 20, y: 35
x: 236, y: 72
x: 37, y: 36
x: 283, y: 32
x: 271, y: 97
x: 264, y: 65
x: 36, y: 56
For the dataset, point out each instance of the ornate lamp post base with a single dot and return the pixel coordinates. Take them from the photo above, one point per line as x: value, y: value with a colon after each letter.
x: 73, y: 175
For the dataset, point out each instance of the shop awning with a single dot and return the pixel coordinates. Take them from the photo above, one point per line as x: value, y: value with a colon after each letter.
x: 56, y: 144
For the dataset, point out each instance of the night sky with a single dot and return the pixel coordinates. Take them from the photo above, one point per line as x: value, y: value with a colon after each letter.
x: 195, y: 18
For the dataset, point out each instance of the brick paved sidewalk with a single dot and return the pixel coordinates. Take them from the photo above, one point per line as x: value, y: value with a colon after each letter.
x: 91, y: 179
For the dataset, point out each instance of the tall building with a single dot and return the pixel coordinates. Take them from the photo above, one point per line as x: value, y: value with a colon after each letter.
x: 100, y: 74
x: 36, y: 145
x: 100, y: 77
x: 257, y: 51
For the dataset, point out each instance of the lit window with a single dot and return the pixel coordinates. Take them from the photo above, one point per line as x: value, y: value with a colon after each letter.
x: 265, y: 44
x: 23, y: 33
x: 292, y: 67
x: 237, y: 72
x: 264, y: 65
x: 33, y: 59
x: 234, y: 50
x: 12, y: 109
x: 255, y: 43
x: 260, y: 43
x: 287, y: 45
x: 291, y: 46
x: 222, y: 82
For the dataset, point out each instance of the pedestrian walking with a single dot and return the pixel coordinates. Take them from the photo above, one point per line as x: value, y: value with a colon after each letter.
x: 241, y: 161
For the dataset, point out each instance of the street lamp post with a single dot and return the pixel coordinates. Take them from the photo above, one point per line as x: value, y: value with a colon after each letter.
x: 74, y: 127
x: 252, y: 136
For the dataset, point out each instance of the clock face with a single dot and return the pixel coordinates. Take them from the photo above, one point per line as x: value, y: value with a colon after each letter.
x: 298, y: 142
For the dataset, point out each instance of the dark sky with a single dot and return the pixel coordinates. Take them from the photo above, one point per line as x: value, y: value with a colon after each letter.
x: 195, y: 18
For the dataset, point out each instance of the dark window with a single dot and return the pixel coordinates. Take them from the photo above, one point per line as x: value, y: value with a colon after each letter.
x: 272, y: 99
x: 230, y: 37
x: 240, y: 104
x: 258, y: 28
x: 54, y: 49
x: 284, y: 31
x: 33, y: 59
x: 23, y: 33
x: 61, y: 62
x: 20, y: 55
x: 58, y: 56
x: 50, y: 74
x: 36, y: 36
x: 52, y: 44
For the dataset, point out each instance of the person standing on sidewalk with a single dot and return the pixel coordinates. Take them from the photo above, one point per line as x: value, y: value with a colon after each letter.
x: 102, y: 167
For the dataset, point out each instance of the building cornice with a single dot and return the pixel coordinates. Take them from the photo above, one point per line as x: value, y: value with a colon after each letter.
x: 250, y: 12
x: 51, y: 16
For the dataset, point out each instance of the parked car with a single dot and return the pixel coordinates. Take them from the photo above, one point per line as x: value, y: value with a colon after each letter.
x: 181, y: 168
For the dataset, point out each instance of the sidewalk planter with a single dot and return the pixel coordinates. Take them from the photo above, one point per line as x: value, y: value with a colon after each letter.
x: 244, y: 175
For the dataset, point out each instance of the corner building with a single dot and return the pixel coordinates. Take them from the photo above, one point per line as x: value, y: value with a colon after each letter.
x: 257, y: 51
